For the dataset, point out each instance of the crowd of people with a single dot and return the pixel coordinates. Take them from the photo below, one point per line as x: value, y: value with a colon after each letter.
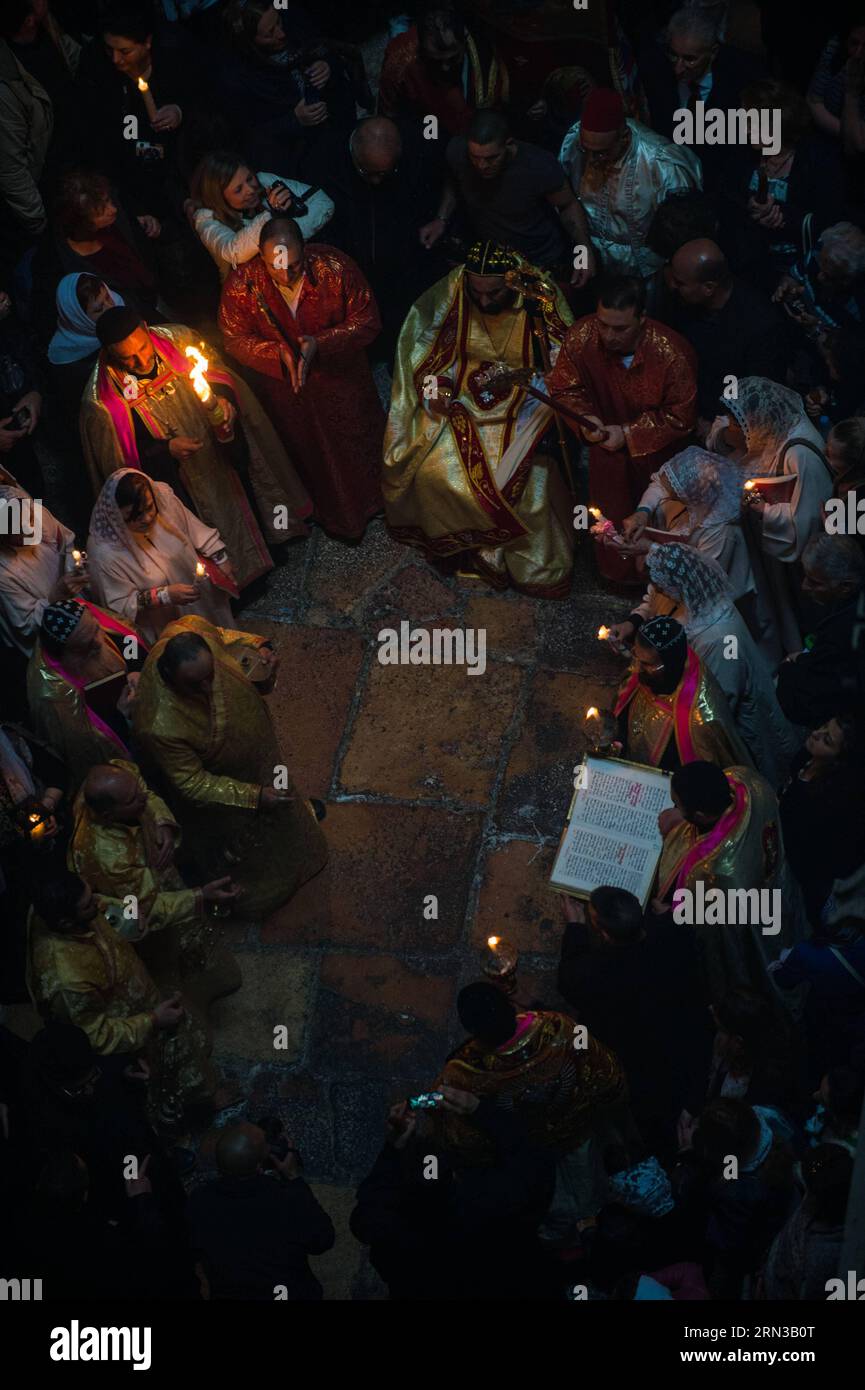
x: 249, y: 289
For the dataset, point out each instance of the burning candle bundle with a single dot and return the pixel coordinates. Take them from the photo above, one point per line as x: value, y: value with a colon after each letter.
x: 499, y: 963
x: 201, y: 386
x: 147, y: 96
x: 603, y: 529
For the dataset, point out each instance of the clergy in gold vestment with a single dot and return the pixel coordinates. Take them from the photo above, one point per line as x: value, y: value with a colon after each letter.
x: 725, y: 834
x: 123, y: 842
x: 671, y: 710
x: 81, y: 971
x: 139, y: 410
x: 205, y: 729
x: 468, y: 467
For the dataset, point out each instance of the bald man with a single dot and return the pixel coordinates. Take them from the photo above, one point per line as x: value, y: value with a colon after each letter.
x: 734, y: 328
x: 123, y: 844
x: 384, y: 189
x: 254, y: 1234
x: 300, y: 318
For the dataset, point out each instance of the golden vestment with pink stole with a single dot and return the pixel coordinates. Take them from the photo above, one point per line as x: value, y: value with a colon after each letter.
x: 561, y: 1092
x: 180, y: 946
x: 743, y: 851
x: 696, y: 714
x: 468, y: 480
x: 60, y: 712
x: 212, y: 759
x: 167, y: 406
x: 94, y: 979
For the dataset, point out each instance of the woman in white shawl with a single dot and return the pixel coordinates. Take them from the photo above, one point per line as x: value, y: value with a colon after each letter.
x: 693, y: 589
x: 230, y: 204
x: 143, y: 552
x: 767, y: 430
x: 698, y: 496
x: 36, y: 566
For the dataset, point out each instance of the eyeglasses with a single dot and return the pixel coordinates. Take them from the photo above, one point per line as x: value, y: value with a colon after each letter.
x: 688, y: 60
x: 84, y: 1087
x: 637, y: 665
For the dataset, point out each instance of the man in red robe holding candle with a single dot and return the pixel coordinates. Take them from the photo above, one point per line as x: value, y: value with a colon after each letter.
x: 636, y: 379
x: 300, y: 317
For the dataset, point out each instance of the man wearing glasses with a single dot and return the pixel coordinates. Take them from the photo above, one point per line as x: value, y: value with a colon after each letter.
x: 691, y: 64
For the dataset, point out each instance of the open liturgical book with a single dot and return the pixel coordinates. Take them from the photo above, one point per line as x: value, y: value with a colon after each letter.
x: 611, y: 837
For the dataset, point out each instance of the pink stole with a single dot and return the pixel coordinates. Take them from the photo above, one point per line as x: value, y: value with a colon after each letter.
x: 683, y: 703
x: 119, y: 408
x: 708, y: 843
x: 109, y: 624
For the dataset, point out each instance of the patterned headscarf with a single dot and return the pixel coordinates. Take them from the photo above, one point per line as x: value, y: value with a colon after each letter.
x: 107, y: 523
x: 490, y: 258
x: 60, y: 620
x: 644, y: 1188
x: 694, y: 580
x: 664, y: 634
x: 768, y: 414
x: 710, y: 485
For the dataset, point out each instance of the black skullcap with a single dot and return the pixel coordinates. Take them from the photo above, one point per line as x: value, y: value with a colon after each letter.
x: 116, y: 324
x: 490, y: 258
x: 487, y: 1013
x: 664, y: 634
x: 60, y: 620
x: 702, y: 786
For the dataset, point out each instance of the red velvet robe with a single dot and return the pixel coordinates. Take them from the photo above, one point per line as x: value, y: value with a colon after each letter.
x: 655, y: 400
x: 334, y: 426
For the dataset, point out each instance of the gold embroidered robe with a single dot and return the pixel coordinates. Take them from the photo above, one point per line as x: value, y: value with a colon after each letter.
x: 469, y: 481
x: 696, y: 716
x: 213, y: 759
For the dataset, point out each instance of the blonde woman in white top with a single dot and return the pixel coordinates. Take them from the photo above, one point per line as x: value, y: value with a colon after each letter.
x: 230, y: 204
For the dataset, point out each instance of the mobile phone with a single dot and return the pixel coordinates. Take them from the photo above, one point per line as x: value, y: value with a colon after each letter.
x: 429, y: 1100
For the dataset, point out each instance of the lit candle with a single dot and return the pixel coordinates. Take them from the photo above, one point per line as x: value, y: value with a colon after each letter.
x: 200, y: 571
x: 201, y: 386
x: 499, y: 963
x: 149, y: 103
x: 592, y: 713
x: 750, y: 485
x: 596, y: 513
x: 37, y: 825
x: 603, y: 633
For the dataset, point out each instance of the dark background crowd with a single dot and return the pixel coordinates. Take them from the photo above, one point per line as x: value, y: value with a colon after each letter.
x: 771, y: 284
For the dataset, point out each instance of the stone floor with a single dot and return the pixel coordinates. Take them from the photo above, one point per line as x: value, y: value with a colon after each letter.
x: 437, y: 783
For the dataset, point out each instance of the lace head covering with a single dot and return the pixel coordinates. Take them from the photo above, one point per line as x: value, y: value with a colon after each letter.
x: 107, y: 523
x: 644, y: 1188
x: 768, y: 413
x: 60, y: 620
x: 694, y: 580
x: 710, y: 485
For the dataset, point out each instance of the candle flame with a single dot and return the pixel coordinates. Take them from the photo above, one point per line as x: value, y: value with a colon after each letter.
x: 34, y: 818
x: 493, y: 941
x: 750, y: 485
x: 592, y: 713
x: 595, y: 512
x: 200, y: 570
x: 142, y: 85
x: 603, y: 633
x: 196, y: 375
x: 76, y: 555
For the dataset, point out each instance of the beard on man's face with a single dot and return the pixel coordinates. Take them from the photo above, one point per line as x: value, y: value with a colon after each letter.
x: 503, y: 301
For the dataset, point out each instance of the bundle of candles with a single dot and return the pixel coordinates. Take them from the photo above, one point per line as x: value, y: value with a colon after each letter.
x: 499, y: 963
x: 601, y: 730
x: 222, y: 428
x: 603, y: 529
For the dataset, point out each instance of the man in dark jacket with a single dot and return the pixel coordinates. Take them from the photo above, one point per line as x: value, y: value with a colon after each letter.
x: 255, y: 1229
x: 733, y: 327
x: 827, y: 677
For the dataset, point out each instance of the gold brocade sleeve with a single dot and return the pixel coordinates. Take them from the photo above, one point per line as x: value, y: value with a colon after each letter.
x: 106, y: 1034
x: 186, y: 772
x: 98, y: 440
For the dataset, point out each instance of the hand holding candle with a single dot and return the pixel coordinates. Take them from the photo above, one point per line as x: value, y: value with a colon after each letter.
x: 223, y: 425
x: 499, y: 963
x: 600, y: 731
x: 147, y: 97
